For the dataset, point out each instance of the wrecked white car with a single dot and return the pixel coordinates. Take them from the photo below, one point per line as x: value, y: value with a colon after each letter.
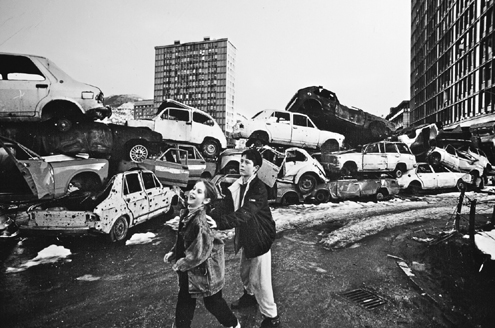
x: 130, y: 198
x: 33, y: 88
x: 26, y: 176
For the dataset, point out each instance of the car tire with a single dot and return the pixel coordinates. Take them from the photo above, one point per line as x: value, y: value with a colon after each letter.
x: 63, y: 124
x: 322, y: 196
x: 399, y: 171
x: 137, y: 152
x: 210, y: 148
x: 461, y: 185
x: 307, y: 183
x: 434, y: 158
x: 119, y: 230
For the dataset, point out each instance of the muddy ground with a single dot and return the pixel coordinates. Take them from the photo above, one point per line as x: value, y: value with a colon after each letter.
x: 132, y: 287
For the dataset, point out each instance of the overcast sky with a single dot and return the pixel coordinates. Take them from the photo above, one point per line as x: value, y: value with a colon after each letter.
x: 359, y: 49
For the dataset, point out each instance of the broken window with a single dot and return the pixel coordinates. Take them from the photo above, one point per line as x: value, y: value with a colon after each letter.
x: 132, y: 184
x: 19, y: 68
x: 202, y: 119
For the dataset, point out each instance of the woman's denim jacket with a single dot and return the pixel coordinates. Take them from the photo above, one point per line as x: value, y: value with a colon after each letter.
x: 204, y: 259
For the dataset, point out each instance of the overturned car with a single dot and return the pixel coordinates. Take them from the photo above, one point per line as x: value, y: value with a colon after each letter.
x: 324, y: 108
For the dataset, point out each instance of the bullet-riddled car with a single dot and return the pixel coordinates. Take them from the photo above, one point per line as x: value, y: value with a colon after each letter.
x: 33, y: 88
x: 26, y: 176
x: 130, y: 198
x: 377, y: 157
x: 283, y: 128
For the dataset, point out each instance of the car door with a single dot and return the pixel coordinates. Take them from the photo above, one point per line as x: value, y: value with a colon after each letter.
x: 157, y: 198
x: 22, y: 86
x: 374, y: 157
x: 195, y: 162
x: 393, y: 155
x: 279, y: 126
x: 171, y: 167
x: 304, y: 132
x: 174, y: 124
x: 428, y: 176
x: 201, y: 127
x: 446, y: 178
x: 135, y: 197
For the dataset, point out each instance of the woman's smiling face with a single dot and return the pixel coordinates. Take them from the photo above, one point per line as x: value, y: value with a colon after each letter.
x: 197, y: 195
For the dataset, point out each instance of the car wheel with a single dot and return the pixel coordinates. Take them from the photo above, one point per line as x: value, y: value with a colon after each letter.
x: 322, y: 196
x: 398, y: 172
x: 415, y: 188
x: 119, y: 229
x: 461, y: 185
x: 434, y: 158
x: 137, y: 152
x: 63, y: 124
x: 231, y: 168
x: 210, y: 148
x: 306, y: 183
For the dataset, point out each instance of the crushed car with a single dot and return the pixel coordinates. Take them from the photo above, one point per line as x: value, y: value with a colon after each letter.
x: 428, y: 177
x: 130, y: 198
x: 34, y: 89
x: 26, y: 176
x: 282, y: 128
x: 324, y: 108
x: 378, y: 157
x: 178, y: 122
x: 374, y: 188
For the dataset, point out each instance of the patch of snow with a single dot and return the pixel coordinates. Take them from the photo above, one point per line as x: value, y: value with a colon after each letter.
x: 141, y: 238
x: 88, y: 277
x: 50, y: 254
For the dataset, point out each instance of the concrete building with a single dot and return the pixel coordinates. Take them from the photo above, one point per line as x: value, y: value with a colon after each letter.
x: 452, y: 62
x: 144, y: 109
x: 400, y: 115
x: 199, y: 74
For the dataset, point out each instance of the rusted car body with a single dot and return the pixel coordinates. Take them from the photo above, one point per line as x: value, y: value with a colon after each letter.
x: 325, y: 110
x: 99, y: 140
x: 130, y: 198
x: 378, y: 189
x: 25, y: 175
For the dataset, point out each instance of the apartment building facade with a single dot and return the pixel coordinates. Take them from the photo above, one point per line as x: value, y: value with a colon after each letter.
x: 199, y: 74
x: 452, y: 62
x: 400, y: 115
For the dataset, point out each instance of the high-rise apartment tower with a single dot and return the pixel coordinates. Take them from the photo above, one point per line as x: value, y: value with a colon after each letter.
x: 198, y: 74
x: 452, y: 65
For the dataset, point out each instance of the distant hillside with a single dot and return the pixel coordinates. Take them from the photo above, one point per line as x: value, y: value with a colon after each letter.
x: 117, y: 100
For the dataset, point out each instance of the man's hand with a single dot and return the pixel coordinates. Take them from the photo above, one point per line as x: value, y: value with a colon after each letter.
x: 211, y: 222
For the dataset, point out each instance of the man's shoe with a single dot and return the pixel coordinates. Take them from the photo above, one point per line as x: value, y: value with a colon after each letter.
x: 270, y: 322
x: 244, y: 301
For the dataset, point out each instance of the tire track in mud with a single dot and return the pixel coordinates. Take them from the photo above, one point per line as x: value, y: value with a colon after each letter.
x: 359, y: 220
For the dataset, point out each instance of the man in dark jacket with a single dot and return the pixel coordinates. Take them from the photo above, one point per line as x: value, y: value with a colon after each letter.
x: 246, y: 209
